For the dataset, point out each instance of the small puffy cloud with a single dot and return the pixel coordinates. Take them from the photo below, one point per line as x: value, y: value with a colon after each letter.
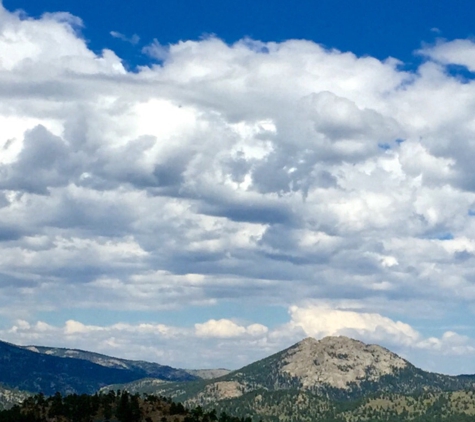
x: 451, y: 343
x: 33, y: 332
x: 225, y: 328
x: 134, y: 39
x: 458, y: 52
x: 156, y: 50
x: 222, y: 328
x: 75, y: 327
x: 256, y: 330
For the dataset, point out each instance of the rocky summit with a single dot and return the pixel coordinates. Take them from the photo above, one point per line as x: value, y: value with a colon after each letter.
x: 338, y: 362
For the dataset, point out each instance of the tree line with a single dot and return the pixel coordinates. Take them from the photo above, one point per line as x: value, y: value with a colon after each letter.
x: 114, y: 406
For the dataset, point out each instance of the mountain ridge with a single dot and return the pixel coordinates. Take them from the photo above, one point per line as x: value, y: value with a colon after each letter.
x: 311, y: 374
x: 32, y: 371
x: 333, y: 379
x: 150, y: 369
x: 337, y: 368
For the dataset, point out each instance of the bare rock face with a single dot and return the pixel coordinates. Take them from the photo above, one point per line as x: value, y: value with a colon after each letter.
x: 10, y: 397
x: 224, y: 390
x: 208, y: 374
x: 339, y: 362
x: 216, y: 391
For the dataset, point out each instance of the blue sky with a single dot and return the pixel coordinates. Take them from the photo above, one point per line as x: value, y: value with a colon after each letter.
x: 377, y: 28
x: 203, y: 184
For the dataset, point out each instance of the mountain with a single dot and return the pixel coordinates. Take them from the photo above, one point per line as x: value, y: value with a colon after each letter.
x: 148, y: 369
x: 338, y: 368
x: 40, y: 372
x: 336, y: 379
x: 334, y: 368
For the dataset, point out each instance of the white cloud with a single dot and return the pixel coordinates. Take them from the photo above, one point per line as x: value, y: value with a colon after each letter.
x: 224, y: 328
x: 450, y: 343
x: 258, y: 173
x: 134, y: 39
x: 322, y: 321
x: 47, y: 47
x: 156, y: 50
x: 458, y: 52
x: 75, y: 327
x: 227, y: 343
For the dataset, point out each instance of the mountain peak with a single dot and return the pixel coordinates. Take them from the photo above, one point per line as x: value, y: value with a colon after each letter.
x: 338, y: 362
x: 329, y: 340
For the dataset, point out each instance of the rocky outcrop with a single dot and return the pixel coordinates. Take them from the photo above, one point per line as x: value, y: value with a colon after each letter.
x: 10, y: 397
x: 339, y: 362
x: 208, y: 374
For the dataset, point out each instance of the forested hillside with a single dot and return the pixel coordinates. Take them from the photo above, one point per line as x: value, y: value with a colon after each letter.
x: 27, y: 370
x: 277, y: 406
x: 112, y: 407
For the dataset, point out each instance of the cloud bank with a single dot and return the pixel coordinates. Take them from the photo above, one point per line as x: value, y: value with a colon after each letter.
x: 210, y: 343
x: 258, y: 173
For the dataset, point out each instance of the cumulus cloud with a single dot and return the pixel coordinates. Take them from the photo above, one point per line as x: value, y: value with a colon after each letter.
x: 456, y: 52
x: 224, y: 328
x: 265, y: 173
x: 321, y: 321
x: 450, y: 343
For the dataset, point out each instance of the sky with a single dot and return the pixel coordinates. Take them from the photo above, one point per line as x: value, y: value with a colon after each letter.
x: 202, y: 184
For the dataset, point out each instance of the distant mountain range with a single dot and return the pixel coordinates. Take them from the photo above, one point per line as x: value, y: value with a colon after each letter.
x: 47, y: 370
x: 304, y: 381
x: 151, y: 369
x: 146, y: 369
